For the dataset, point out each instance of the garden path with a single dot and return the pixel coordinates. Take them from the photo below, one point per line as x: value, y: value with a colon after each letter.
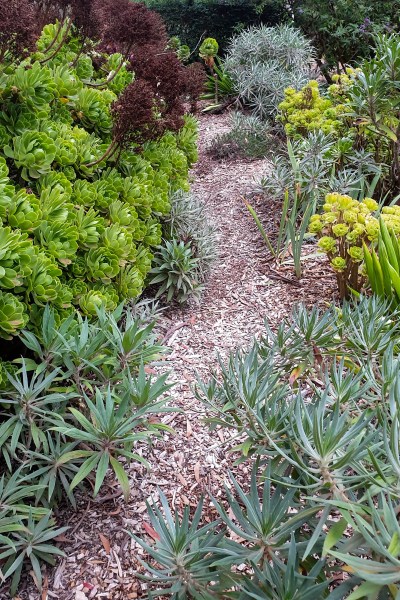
x: 240, y: 295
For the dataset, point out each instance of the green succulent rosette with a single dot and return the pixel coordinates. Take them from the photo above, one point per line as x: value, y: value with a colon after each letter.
x: 34, y: 151
x: 129, y: 283
x: 102, y: 264
x: 13, y: 315
x: 43, y: 283
x: 15, y: 258
x: 24, y: 212
x: 92, y: 301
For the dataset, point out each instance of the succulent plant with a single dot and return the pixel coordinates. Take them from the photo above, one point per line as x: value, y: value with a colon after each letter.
x: 76, y: 220
x: 59, y: 239
x: 129, y: 282
x: 309, y: 110
x: 35, y: 86
x: 13, y: 315
x: 103, y: 264
x: 43, y: 282
x: 34, y: 151
x: 15, y: 258
x: 90, y: 226
x: 24, y: 212
x: 92, y: 301
x: 209, y: 50
x: 343, y: 228
x: 175, y: 272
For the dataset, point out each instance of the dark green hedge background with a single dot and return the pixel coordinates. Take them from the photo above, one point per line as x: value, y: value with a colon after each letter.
x: 190, y: 19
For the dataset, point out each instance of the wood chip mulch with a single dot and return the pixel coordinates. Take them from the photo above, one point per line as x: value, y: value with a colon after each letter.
x: 243, y: 291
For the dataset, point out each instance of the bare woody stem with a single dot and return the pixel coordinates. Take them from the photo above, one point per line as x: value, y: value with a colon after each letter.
x: 110, y: 78
x: 79, y: 54
x: 60, y: 45
x: 112, y: 148
x: 54, y: 40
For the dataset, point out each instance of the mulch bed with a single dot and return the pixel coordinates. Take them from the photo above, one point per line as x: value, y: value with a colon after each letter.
x: 243, y: 290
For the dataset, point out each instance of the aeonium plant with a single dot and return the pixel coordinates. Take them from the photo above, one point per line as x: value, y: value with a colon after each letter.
x: 208, y: 51
x: 343, y: 227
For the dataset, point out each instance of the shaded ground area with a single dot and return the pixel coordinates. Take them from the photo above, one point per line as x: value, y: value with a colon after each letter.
x: 241, y: 294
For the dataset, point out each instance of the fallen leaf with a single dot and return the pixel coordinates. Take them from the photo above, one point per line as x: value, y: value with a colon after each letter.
x: 295, y: 374
x: 189, y: 429
x: 115, y: 512
x: 150, y: 371
x: 79, y: 595
x: 196, y: 470
x: 182, y: 479
x: 150, y: 531
x: 105, y: 542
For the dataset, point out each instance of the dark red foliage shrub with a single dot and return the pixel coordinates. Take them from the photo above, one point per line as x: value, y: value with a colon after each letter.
x: 125, y: 25
x: 17, y: 27
x: 195, y: 80
x: 155, y: 101
x: 134, y: 115
x: 166, y: 75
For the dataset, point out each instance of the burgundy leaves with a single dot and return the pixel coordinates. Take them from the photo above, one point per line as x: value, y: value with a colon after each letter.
x: 17, y: 30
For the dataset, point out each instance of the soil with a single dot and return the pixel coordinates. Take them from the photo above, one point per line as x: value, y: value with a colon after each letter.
x: 244, y: 289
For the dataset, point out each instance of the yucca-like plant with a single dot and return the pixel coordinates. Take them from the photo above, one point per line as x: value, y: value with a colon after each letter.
x: 189, y: 222
x: 67, y: 414
x: 186, y: 553
x: 175, y: 271
x: 31, y: 542
x: 111, y: 433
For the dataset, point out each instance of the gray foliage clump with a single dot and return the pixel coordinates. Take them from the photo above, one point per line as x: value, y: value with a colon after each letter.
x: 189, y: 222
x: 248, y: 136
x: 263, y: 61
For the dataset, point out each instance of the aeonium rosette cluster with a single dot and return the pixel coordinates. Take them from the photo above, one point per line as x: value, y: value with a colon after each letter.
x: 342, y: 228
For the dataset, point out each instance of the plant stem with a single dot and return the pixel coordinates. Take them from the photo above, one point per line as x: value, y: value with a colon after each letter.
x: 60, y: 45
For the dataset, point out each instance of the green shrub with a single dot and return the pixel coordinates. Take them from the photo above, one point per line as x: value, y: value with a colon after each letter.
x: 315, y: 404
x: 175, y: 272
x: 188, y: 221
x: 218, y: 87
x: 348, y: 230
x: 85, y: 176
x: 193, y: 20
x: 341, y: 30
x: 344, y: 137
x: 344, y: 226
x: 67, y: 415
x: 307, y: 110
x: 183, y: 261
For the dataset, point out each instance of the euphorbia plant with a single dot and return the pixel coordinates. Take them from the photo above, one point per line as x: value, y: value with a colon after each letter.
x: 343, y: 227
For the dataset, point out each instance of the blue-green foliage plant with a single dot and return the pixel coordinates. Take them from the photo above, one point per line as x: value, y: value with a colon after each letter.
x: 313, y: 409
x: 68, y: 414
x: 80, y: 204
